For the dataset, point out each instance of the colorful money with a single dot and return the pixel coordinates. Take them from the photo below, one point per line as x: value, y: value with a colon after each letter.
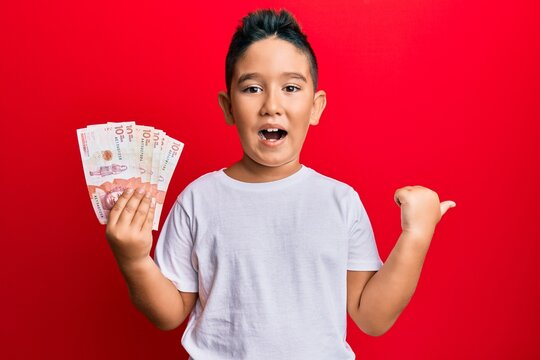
x: 122, y: 155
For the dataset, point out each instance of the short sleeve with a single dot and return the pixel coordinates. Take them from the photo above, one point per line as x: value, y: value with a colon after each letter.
x: 363, y: 252
x: 174, y: 248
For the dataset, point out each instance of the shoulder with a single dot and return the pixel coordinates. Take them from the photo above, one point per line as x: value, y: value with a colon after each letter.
x: 203, y: 181
x: 339, y: 194
x: 201, y: 185
x: 336, y: 187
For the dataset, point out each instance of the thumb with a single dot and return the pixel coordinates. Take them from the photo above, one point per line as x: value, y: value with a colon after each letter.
x: 445, y: 205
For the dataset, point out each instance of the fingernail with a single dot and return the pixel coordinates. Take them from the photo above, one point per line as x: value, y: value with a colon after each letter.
x: 129, y: 191
x: 140, y: 190
x: 148, y: 194
x: 153, y: 203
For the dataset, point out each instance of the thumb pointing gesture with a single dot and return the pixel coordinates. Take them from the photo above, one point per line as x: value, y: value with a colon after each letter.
x: 445, y: 205
x: 421, y: 209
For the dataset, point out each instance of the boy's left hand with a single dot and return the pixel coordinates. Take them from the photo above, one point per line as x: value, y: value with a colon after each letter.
x: 420, y: 209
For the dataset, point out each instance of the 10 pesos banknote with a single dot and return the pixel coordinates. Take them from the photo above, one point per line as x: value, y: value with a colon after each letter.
x: 122, y: 155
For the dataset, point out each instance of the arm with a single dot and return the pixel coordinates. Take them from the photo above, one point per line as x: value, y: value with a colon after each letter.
x: 156, y: 296
x: 377, y: 301
x: 129, y: 232
x: 384, y: 296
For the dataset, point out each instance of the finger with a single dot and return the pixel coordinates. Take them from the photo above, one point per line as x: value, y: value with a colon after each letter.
x: 119, y: 206
x: 445, y: 205
x: 398, y: 194
x: 149, y: 223
x: 127, y: 214
x: 142, y: 211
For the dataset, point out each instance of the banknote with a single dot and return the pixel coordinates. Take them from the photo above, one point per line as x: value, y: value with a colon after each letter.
x: 157, y: 142
x: 120, y: 155
x: 171, y: 151
x: 144, y: 152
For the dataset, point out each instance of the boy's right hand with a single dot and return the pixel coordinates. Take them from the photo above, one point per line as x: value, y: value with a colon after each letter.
x: 129, y: 227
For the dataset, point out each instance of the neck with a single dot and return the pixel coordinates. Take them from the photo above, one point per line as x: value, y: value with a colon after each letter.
x: 247, y: 170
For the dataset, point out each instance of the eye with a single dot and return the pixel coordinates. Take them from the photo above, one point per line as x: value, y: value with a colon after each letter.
x: 292, y: 88
x: 252, y: 89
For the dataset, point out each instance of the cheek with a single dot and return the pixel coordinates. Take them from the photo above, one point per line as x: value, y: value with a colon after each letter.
x: 242, y: 105
x: 244, y: 131
x: 301, y: 117
x: 245, y: 118
x: 301, y: 108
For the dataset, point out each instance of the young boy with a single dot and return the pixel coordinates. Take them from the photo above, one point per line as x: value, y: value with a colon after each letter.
x: 268, y: 256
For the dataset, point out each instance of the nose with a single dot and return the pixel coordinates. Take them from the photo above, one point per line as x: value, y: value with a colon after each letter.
x: 272, y: 104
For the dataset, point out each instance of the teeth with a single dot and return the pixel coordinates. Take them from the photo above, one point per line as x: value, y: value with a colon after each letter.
x: 261, y: 134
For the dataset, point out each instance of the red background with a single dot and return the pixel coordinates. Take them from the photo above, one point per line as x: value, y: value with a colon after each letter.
x: 442, y: 94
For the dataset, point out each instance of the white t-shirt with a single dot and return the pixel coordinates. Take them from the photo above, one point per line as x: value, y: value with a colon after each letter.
x: 270, y: 262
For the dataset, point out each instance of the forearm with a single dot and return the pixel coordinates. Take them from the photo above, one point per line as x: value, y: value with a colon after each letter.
x: 389, y: 291
x: 153, y: 294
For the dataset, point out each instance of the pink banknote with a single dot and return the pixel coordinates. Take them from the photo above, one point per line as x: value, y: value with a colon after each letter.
x: 116, y: 156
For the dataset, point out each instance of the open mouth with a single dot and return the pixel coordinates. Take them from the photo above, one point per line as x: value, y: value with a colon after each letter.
x: 272, y: 134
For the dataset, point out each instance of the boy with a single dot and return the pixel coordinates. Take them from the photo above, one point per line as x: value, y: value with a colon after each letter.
x: 268, y: 255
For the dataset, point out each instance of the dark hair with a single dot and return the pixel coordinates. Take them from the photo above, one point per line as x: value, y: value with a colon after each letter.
x: 261, y: 24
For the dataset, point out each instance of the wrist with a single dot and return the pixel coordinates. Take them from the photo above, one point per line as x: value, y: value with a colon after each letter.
x: 134, y: 266
x: 418, y: 236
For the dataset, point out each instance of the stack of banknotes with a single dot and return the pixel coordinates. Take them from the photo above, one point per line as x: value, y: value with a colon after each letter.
x: 122, y: 155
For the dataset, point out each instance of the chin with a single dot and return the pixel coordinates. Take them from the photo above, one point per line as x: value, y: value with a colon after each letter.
x: 274, y: 163
x: 268, y: 160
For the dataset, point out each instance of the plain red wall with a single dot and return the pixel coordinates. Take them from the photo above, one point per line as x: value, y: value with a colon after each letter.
x: 442, y: 94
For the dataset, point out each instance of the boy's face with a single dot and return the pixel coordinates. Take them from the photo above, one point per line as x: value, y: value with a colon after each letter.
x: 272, y: 88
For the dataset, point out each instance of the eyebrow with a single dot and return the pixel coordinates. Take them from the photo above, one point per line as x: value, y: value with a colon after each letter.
x: 289, y: 74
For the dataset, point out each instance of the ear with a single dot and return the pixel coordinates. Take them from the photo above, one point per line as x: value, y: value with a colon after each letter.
x: 225, y: 104
x: 319, y: 103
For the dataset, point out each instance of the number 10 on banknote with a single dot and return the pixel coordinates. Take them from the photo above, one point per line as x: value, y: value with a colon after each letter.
x: 117, y: 156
